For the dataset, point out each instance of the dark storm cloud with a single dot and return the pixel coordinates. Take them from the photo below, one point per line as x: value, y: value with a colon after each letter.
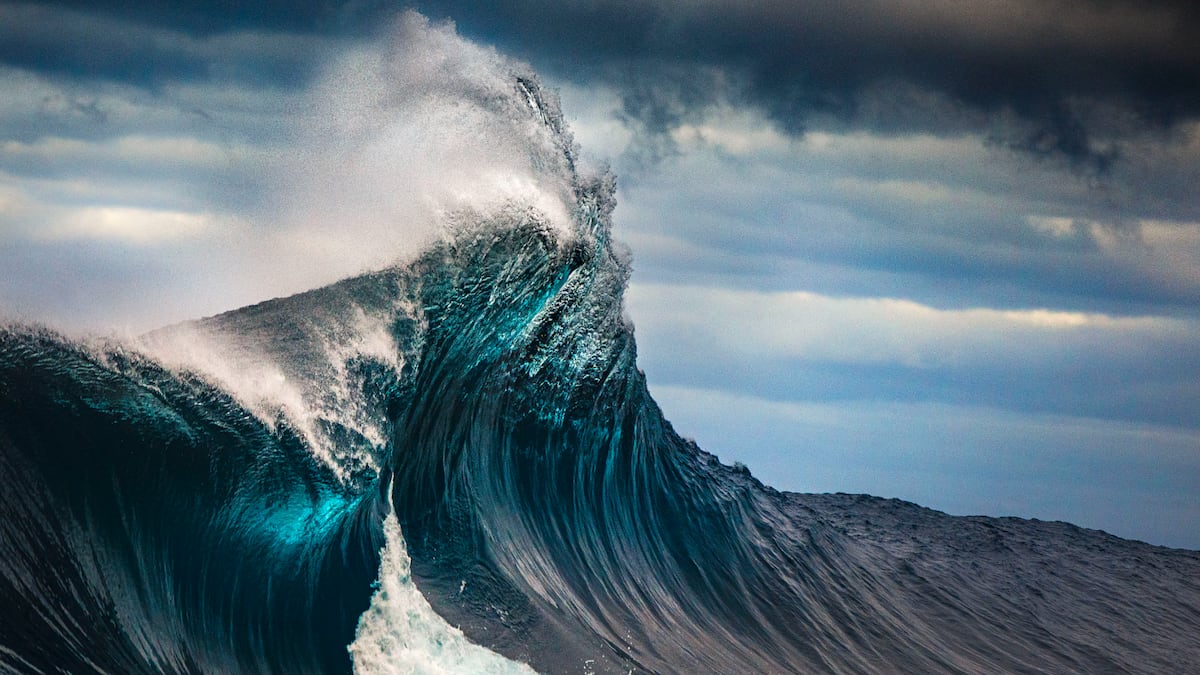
x: 1066, y: 78
x: 1062, y: 78
x: 90, y: 44
x: 204, y: 17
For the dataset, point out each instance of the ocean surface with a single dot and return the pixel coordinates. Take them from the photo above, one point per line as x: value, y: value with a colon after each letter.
x: 453, y: 465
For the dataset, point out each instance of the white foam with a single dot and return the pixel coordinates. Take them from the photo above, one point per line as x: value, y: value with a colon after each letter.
x: 251, y: 378
x: 258, y: 382
x: 401, y: 634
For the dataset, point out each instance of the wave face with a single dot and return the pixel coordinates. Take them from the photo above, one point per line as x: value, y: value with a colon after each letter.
x: 267, y: 490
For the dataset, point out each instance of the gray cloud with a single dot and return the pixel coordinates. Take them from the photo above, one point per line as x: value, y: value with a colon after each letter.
x: 1070, y: 79
x: 818, y: 348
x: 946, y: 220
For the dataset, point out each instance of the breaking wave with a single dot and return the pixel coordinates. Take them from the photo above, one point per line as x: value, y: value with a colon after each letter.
x: 453, y: 465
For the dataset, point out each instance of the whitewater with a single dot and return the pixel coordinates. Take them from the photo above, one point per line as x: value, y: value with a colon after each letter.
x: 452, y: 464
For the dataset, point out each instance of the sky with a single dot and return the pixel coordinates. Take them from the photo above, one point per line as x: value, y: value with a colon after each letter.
x: 942, y: 251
